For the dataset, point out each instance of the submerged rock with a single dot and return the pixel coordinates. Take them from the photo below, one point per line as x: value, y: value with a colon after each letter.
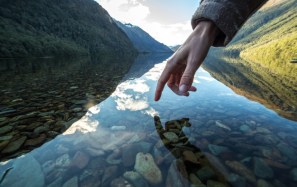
x: 146, y: 166
x: 171, y: 136
x: 293, y: 174
x: 109, y: 174
x: 80, y: 160
x: 261, y: 169
x: 211, y: 183
x: 242, y: 170
x: 263, y: 183
x: 135, y: 178
x: 206, y: 173
x: 236, y: 180
x: 14, y: 146
x: 177, y: 175
x: 71, y: 182
x: 217, y: 149
x: 25, y: 172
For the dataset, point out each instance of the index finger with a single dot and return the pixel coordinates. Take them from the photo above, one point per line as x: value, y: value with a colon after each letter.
x: 162, y: 81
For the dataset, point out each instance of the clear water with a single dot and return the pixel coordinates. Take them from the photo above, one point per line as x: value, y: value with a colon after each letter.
x: 214, y: 137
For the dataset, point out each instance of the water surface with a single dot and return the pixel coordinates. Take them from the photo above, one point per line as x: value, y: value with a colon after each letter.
x: 214, y: 137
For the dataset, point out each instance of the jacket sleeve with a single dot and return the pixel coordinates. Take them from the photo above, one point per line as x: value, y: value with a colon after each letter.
x: 228, y: 15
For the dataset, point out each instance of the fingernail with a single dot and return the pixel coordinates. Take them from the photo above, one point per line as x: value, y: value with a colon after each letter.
x: 183, y: 88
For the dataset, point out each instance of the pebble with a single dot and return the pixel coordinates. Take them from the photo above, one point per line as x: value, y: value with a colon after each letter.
x: 190, y: 156
x: 73, y: 182
x: 293, y: 174
x: 80, y: 160
x: 242, y: 170
x: 36, y: 141
x: 146, y: 166
x: 5, y: 129
x: 63, y: 161
x: 236, y: 180
x: 220, y: 124
x: 205, y: 173
x: 263, y: 183
x: 172, y: 137
x: 211, y: 183
x: 244, y: 128
x: 135, y: 178
x: 109, y: 173
x: 25, y: 172
x: 14, y: 146
x: 4, y: 138
x: 217, y: 149
x: 177, y: 175
x: 41, y: 129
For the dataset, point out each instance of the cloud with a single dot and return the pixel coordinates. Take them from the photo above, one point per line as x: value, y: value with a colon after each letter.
x: 129, y: 11
x: 136, y: 13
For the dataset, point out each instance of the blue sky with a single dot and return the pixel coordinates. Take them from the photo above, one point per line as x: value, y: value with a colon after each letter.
x: 168, y: 21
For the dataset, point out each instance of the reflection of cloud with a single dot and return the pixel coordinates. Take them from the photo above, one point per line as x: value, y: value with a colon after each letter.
x: 155, y: 72
x: 129, y: 103
x: 84, y: 125
x: 94, y: 110
x: 151, y: 112
x: 136, y: 85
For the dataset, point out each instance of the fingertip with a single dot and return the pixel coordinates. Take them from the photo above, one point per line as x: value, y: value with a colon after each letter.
x: 193, y: 89
x: 157, y: 97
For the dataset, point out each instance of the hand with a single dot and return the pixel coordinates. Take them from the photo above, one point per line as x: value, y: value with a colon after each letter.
x: 182, y: 65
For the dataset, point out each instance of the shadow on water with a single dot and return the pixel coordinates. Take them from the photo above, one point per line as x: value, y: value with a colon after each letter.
x: 188, y: 165
x: 255, y: 83
x: 40, y: 98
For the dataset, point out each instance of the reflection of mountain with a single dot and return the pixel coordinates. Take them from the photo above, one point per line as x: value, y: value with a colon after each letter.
x: 141, y: 40
x: 145, y: 62
x: 40, y: 98
x: 255, y: 84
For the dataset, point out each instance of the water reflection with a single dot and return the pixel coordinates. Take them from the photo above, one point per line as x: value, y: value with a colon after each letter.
x: 275, y: 92
x: 236, y: 142
x: 189, y: 166
x: 40, y: 98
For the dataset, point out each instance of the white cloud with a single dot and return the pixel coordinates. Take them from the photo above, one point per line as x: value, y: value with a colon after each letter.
x: 129, y: 11
x: 136, y: 13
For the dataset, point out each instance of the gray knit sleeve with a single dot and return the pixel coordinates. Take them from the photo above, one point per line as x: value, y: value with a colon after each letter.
x: 228, y: 15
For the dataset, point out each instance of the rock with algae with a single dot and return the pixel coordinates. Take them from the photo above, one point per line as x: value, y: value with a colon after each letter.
x: 146, y: 166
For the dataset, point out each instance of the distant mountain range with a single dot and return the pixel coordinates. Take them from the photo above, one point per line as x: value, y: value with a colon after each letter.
x: 142, y: 41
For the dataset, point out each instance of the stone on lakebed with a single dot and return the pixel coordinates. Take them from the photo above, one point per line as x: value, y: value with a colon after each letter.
x: 146, y: 166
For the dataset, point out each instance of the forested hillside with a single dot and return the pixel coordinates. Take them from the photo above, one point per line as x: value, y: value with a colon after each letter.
x: 37, y: 28
x: 269, y: 39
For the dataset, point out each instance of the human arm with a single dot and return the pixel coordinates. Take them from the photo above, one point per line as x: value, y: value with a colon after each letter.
x: 182, y: 65
x: 215, y: 23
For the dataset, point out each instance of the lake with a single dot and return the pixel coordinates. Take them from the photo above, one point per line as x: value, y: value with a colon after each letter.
x: 218, y: 136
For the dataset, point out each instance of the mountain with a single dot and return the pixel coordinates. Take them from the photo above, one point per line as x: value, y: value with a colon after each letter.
x: 175, y: 48
x: 141, y: 40
x: 36, y: 28
x: 269, y: 39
